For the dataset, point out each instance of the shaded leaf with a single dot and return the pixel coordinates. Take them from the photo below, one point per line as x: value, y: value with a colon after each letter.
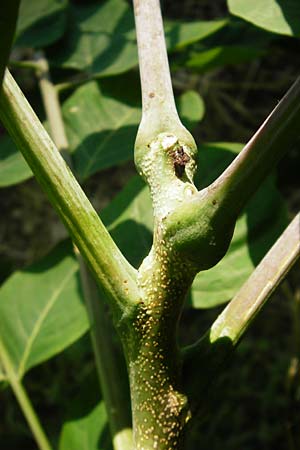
x: 278, y: 16
x: 8, y: 20
x: 41, y: 310
x: 13, y: 167
x: 102, y: 121
x: 101, y: 38
x: 221, y: 56
x: 101, y: 129
x: 41, y: 22
x: 130, y: 221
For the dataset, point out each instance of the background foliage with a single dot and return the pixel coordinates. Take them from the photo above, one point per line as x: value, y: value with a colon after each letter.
x: 230, y: 65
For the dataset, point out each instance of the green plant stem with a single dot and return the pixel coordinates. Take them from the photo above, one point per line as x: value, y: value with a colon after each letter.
x: 217, y: 345
x: 159, y: 109
x: 107, y: 359
x: 24, y: 402
x: 28, y: 64
x: 51, y: 104
x: 239, y: 314
x: 110, y: 268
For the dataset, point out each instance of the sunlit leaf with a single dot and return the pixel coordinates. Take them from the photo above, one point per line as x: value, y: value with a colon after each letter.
x: 278, y: 16
x: 191, y: 108
x: 41, y: 310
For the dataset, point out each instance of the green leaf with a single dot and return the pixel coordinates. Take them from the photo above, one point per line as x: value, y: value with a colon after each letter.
x: 221, y: 56
x: 8, y: 20
x: 191, y: 108
x: 101, y: 129
x: 86, y: 426
x: 41, y: 310
x: 181, y: 34
x: 13, y: 167
x: 41, y: 22
x: 84, y: 432
x: 102, y: 120
x: 101, y: 38
x: 278, y: 16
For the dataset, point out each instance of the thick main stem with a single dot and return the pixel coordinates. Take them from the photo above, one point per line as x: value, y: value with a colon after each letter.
x: 160, y: 407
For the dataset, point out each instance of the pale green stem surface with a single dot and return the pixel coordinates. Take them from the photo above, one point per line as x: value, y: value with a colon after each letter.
x: 108, y: 364
x: 109, y: 266
x: 24, y: 401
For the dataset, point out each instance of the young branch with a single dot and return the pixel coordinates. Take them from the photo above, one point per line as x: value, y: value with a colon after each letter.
x: 214, y: 348
x: 157, y: 92
x: 52, y: 105
x: 108, y: 360
x: 241, y: 311
x: 111, y: 269
x: 159, y: 110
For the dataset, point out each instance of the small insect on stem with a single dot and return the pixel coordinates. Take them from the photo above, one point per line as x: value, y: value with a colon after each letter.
x: 180, y: 159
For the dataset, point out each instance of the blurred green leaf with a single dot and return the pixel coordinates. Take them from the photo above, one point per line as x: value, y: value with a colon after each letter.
x: 86, y: 432
x: 41, y: 22
x: 278, y: 16
x: 101, y: 38
x: 102, y: 121
x: 41, y: 310
x: 221, y: 56
x: 13, y: 167
x: 191, y: 108
x: 181, y: 34
x: 8, y: 20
